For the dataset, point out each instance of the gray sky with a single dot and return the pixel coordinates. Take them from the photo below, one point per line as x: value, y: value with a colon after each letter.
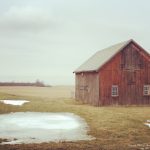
x: 49, y: 39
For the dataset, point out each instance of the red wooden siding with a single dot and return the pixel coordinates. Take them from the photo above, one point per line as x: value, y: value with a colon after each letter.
x: 130, y: 71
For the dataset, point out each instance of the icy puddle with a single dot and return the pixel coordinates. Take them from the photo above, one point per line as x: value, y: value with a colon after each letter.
x: 14, y: 102
x: 36, y: 127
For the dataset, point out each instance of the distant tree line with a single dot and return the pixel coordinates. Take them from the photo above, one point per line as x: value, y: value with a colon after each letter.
x: 37, y: 83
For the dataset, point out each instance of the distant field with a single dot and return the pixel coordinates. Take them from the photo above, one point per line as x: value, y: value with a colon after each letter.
x: 115, y: 128
x: 44, y: 92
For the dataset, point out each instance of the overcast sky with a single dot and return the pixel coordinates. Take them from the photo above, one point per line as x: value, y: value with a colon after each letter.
x: 49, y: 39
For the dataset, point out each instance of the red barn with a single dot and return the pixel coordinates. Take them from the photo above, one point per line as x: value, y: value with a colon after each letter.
x: 117, y: 75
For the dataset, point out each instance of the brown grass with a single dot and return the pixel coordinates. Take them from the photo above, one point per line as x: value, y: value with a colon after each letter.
x: 43, y: 92
x: 115, y: 128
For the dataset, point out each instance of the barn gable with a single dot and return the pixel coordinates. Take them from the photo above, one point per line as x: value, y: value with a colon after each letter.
x: 95, y: 62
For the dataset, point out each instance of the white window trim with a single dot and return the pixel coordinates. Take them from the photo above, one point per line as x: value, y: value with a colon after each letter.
x: 146, y: 90
x: 114, y: 91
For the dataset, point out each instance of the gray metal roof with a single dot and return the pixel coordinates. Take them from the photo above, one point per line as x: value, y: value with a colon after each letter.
x: 101, y: 57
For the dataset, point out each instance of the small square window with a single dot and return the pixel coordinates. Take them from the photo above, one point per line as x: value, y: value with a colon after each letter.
x: 146, y: 90
x: 114, y: 90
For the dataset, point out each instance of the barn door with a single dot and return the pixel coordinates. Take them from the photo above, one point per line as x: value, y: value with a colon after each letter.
x: 131, y: 86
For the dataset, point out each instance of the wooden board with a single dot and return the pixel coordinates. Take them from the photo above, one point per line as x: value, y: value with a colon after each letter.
x: 130, y: 71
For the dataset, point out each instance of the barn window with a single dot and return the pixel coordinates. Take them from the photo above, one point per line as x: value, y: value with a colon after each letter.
x: 146, y: 90
x: 84, y: 88
x: 114, y: 90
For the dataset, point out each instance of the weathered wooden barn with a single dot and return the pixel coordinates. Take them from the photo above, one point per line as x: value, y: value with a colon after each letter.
x: 117, y: 75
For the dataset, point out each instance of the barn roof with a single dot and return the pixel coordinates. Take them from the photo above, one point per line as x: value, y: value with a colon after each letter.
x: 95, y: 62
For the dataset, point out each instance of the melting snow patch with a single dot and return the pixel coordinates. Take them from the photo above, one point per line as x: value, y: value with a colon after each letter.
x: 36, y: 127
x: 14, y: 102
x: 147, y: 123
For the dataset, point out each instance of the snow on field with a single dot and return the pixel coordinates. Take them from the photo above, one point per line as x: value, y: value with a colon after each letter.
x: 36, y: 127
x: 14, y: 102
x: 148, y: 123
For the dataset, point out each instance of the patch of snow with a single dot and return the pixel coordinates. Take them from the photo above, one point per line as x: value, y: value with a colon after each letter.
x: 14, y: 102
x: 147, y: 124
x: 36, y: 127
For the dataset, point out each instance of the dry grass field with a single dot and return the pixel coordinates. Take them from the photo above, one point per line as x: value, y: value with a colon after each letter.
x: 115, y: 128
x: 43, y: 92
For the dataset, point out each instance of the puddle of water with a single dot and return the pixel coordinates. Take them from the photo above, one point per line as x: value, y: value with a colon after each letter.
x: 14, y: 102
x: 36, y: 127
